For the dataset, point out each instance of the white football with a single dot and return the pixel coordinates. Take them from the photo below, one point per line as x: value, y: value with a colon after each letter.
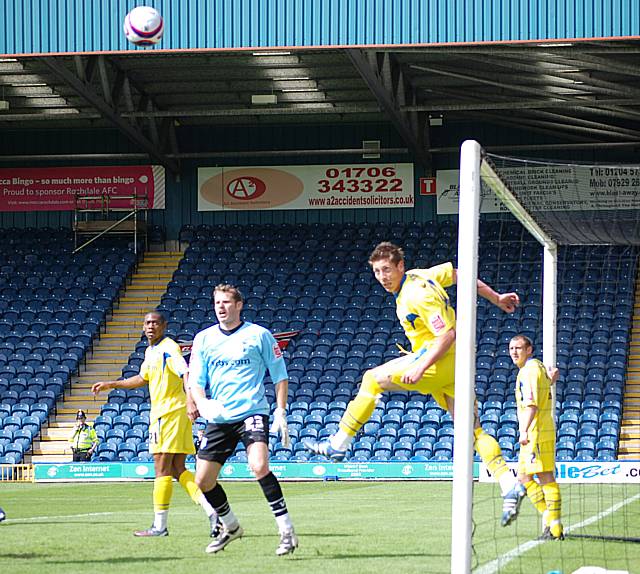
x: 143, y: 26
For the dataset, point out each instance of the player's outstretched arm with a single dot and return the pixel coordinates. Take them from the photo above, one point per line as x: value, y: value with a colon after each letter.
x: 130, y: 383
x: 508, y: 302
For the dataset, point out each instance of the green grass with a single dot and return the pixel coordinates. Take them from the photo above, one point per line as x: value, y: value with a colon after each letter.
x: 357, y: 527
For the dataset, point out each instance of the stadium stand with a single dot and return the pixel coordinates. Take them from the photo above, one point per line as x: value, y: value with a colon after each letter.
x: 315, y: 279
x: 52, y: 306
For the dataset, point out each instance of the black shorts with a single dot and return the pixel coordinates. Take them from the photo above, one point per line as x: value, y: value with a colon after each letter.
x: 220, y: 440
x: 81, y: 456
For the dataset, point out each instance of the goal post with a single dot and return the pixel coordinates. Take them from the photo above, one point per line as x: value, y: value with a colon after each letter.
x: 566, y: 238
x: 474, y: 170
x: 465, y: 363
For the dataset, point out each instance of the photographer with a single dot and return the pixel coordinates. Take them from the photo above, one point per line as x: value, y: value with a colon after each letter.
x: 84, y: 439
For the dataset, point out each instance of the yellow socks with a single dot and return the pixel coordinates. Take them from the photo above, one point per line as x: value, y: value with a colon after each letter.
x: 187, y: 481
x: 554, y: 503
x: 489, y: 450
x: 162, y: 490
x: 360, y: 408
x: 536, y: 495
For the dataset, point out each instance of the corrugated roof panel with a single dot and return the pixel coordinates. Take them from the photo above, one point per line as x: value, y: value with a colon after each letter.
x: 34, y: 26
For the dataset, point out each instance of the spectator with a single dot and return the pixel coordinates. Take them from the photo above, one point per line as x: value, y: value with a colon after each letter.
x: 84, y: 440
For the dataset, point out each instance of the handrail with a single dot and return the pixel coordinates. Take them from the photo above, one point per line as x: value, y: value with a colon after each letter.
x: 17, y: 473
x: 103, y: 232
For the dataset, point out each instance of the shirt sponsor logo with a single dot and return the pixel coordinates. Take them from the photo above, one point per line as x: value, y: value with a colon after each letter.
x: 277, y: 352
x: 437, y: 323
x: 236, y: 363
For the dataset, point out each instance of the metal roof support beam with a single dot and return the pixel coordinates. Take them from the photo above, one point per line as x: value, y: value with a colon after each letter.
x: 153, y: 125
x: 505, y: 120
x: 47, y: 116
x: 541, y: 147
x: 387, y: 83
x: 586, y: 104
x: 603, y: 86
x: 563, y: 119
x: 553, y: 102
x: 270, y: 111
x: 116, y: 91
x: 587, y: 108
x: 594, y: 84
x: 535, y: 53
x: 128, y: 100
x: 105, y: 82
x: 480, y: 80
x: 84, y: 90
x: 123, y: 84
x: 590, y: 134
x: 602, y: 65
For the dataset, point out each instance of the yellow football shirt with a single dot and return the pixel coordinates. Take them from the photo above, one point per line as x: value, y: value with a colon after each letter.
x: 533, y: 388
x: 423, y: 306
x: 163, y: 368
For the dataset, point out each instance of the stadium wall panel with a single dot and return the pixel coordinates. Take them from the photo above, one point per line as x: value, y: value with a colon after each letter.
x: 181, y: 195
x: 182, y: 205
x: 51, y: 26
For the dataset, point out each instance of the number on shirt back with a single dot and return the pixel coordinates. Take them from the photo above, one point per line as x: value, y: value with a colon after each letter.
x: 254, y: 423
x: 154, y: 433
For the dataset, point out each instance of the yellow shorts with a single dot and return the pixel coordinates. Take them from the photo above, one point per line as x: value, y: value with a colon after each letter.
x: 537, y: 457
x: 438, y: 380
x: 171, y: 433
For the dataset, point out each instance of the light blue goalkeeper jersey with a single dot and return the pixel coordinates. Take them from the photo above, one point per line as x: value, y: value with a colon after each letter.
x: 231, y: 368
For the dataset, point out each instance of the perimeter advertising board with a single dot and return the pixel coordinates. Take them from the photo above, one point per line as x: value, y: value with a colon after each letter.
x: 596, y: 472
x: 552, y: 188
x: 106, y: 471
x: 68, y: 188
x: 621, y: 471
x: 344, y: 186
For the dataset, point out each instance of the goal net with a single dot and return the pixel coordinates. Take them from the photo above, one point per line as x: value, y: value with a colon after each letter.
x: 565, y: 238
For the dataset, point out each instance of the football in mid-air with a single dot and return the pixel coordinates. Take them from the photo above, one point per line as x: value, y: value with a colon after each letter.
x: 143, y: 26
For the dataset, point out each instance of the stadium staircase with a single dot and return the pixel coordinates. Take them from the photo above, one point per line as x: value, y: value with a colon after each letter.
x: 630, y: 427
x: 110, y: 353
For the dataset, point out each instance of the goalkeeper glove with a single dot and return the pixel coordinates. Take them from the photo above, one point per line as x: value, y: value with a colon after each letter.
x: 210, y: 409
x: 280, y: 425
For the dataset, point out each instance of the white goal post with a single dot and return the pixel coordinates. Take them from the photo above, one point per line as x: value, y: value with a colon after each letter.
x: 475, y: 169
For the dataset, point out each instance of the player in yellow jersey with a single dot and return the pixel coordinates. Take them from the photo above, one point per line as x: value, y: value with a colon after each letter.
x: 537, y: 434
x: 428, y: 319
x: 170, y: 433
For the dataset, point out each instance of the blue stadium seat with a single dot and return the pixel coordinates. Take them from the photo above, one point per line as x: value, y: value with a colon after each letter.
x: 11, y: 423
x: 105, y: 453
x: 122, y: 422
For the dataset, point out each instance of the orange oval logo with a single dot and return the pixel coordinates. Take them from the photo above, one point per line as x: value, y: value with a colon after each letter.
x: 246, y: 188
x: 252, y: 188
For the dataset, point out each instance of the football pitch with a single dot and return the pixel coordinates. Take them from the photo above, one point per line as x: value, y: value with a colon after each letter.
x: 358, y: 527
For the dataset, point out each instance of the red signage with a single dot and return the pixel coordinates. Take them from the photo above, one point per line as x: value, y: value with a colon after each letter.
x: 427, y: 186
x: 68, y: 188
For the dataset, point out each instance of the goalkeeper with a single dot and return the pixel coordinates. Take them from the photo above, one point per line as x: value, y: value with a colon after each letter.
x: 170, y: 432
x: 537, y: 435
x: 428, y: 319
x: 229, y: 361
